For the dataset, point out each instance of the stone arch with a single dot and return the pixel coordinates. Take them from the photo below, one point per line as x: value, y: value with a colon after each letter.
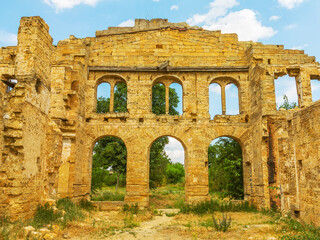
x: 108, y: 77
x: 168, y: 135
x: 169, y: 78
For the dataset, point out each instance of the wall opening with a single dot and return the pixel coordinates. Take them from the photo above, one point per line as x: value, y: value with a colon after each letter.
x: 103, y: 98
x: 225, y: 168
x: 166, y: 172
x: 232, y: 99
x: 109, y: 165
x: 159, y: 99
x: 175, y: 99
x: 286, y: 92
x: 315, y: 88
x: 120, y: 97
x: 215, y: 105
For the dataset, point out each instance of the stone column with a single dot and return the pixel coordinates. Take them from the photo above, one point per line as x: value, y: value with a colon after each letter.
x: 223, y: 98
x: 112, y: 85
x: 137, y: 174
x: 304, y: 89
x: 167, y: 98
x: 196, y: 165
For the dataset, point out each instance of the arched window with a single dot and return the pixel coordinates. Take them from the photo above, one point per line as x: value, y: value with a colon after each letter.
x: 286, y: 92
x: 232, y: 99
x: 167, y: 97
x: 103, y: 97
x: 112, y: 96
x: 175, y: 99
x: 215, y: 106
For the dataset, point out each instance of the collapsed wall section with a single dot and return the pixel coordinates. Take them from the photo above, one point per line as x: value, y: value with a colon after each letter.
x: 25, y: 111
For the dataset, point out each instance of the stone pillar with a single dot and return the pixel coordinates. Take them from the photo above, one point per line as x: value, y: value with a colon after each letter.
x: 304, y: 89
x: 196, y: 165
x: 137, y: 175
x: 112, y: 85
x: 223, y: 98
x: 167, y: 97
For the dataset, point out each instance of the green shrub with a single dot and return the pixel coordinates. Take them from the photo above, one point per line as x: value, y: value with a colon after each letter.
x: 222, y: 225
x: 174, y: 173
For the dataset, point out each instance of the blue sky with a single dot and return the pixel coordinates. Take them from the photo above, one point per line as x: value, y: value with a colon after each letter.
x: 292, y: 23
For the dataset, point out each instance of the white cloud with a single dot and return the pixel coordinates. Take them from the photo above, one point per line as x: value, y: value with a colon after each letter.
x: 156, y: 0
x: 300, y: 47
x: 128, y: 23
x: 289, y: 27
x: 274, y: 18
x: 175, y: 150
x: 243, y: 22
x: 63, y: 4
x: 174, y: 7
x: 290, y: 3
x: 218, y: 8
x: 7, y: 39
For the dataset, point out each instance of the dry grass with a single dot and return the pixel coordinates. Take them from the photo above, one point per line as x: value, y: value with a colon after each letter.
x: 167, y: 196
x: 244, y: 225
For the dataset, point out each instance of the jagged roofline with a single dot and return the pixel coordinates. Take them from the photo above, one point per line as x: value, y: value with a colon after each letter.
x: 146, y: 25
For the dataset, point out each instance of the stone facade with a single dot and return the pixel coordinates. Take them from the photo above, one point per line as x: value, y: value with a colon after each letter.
x: 50, y: 124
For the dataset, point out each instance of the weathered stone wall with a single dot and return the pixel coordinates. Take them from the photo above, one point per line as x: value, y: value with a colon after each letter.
x: 296, y: 137
x: 50, y: 124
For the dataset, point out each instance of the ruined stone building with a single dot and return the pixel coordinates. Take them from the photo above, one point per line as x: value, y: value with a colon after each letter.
x: 49, y: 121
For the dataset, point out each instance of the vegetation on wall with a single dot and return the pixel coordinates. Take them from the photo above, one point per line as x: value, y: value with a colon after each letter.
x: 286, y: 105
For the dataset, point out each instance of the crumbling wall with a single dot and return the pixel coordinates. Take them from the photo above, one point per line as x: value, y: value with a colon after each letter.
x: 50, y: 123
x: 297, y: 134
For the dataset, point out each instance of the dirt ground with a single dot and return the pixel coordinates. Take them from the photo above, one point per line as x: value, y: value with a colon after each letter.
x: 118, y: 226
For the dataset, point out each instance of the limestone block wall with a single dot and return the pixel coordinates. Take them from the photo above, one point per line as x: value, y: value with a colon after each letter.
x: 296, y: 136
x: 50, y: 125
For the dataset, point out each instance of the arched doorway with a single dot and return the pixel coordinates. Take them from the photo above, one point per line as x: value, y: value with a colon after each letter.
x: 109, y: 164
x: 225, y: 168
x: 166, y: 172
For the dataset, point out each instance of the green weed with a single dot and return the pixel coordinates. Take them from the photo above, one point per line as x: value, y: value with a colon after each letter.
x: 86, y: 205
x: 222, y: 225
x: 133, y: 209
x: 129, y: 222
x: 299, y: 231
x: 45, y: 215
